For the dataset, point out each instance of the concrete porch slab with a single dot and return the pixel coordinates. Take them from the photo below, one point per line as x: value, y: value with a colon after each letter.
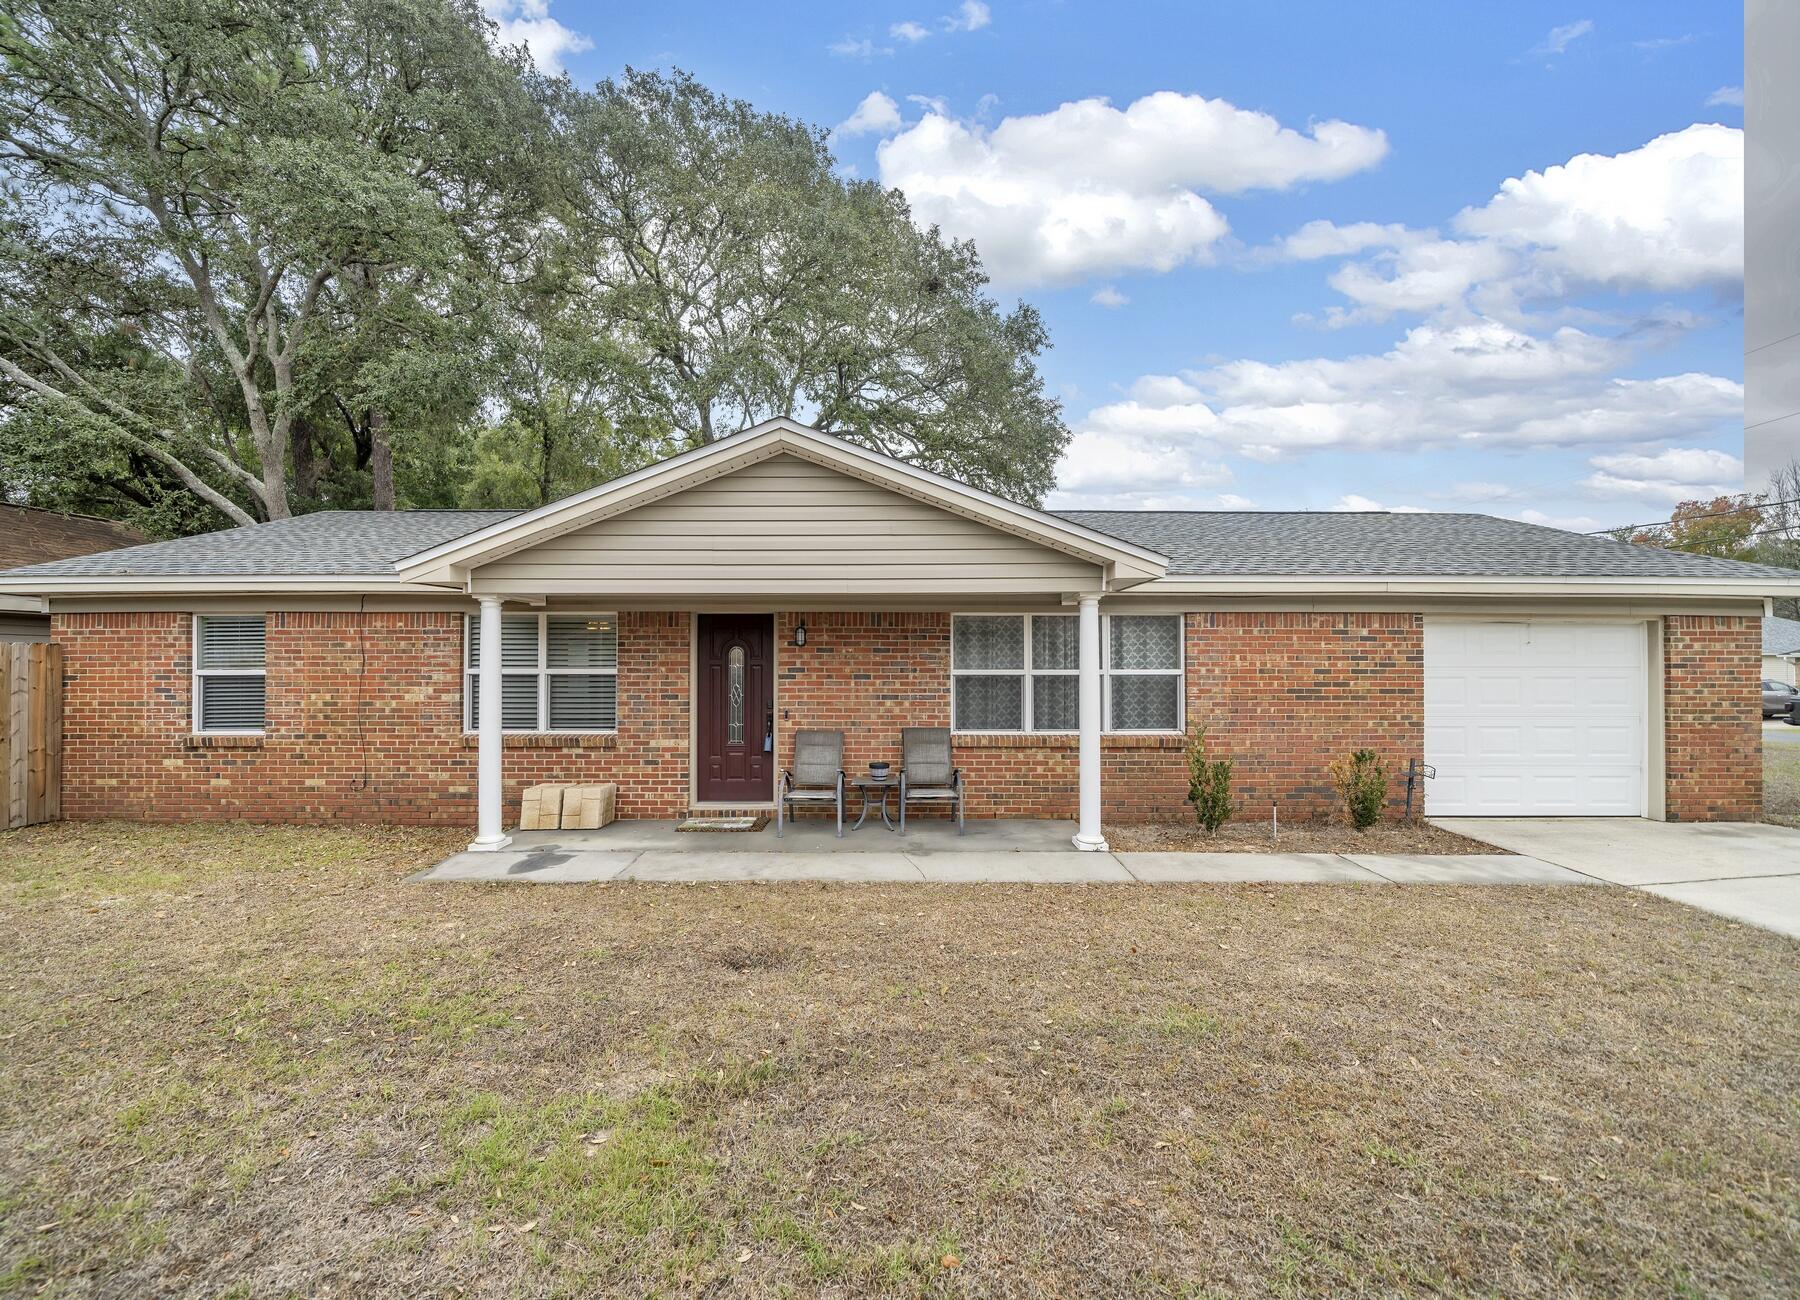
x: 540, y: 865
x: 1281, y: 868
x: 927, y: 835
x: 1467, y: 869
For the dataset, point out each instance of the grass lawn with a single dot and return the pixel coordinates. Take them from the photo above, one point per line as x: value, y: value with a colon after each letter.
x: 1781, y: 783
x: 251, y: 1062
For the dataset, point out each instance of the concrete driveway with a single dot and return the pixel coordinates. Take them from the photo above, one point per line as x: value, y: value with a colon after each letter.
x: 1747, y: 871
x: 1780, y: 733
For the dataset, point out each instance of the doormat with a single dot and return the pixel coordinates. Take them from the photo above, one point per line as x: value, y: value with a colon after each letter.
x: 723, y: 823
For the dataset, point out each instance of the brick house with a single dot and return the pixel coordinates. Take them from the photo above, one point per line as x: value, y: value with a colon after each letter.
x: 670, y: 630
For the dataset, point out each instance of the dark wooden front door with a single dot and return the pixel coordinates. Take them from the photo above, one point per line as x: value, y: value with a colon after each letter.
x: 735, y: 702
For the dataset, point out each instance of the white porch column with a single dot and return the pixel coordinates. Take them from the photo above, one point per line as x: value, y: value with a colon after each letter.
x: 1088, y: 837
x: 489, y: 806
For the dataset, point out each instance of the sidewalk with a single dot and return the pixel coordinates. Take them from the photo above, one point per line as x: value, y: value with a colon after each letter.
x: 1013, y: 851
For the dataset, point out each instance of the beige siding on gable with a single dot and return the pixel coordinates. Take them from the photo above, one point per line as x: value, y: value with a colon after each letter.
x: 787, y: 525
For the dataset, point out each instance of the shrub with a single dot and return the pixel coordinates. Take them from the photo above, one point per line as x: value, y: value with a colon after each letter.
x: 1362, y: 780
x: 1209, y: 784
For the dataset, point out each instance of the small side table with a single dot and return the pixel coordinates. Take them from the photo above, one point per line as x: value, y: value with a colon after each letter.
x: 871, y: 785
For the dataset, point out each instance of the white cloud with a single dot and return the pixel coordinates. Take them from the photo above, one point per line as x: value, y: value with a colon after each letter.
x: 1118, y: 468
x: 1475, y: 492
x: 931, y: 103
x: 852, y: 47
x: 1667, y: 216
x: 1474, y: 386
x: 1352, y: 501
x: 1088, y: 189
x: 1560, y: 38
x: 910, y: 32
x: 1662, y: 218
x: 1318, y: 239
x: 1726, y: 95
x: 1668, y: 477
x: 528, y: 23
x: 1109, y: 297
x: 972, y: 16
x: 1418, y: 275
x: 1480, y: 373
x: 877, y: 112
x: 1568, y: 523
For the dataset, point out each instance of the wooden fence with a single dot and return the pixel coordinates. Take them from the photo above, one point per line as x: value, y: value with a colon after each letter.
x: 30, y: 733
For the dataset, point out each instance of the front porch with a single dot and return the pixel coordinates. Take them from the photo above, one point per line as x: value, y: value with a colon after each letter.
x: 1004, y: 851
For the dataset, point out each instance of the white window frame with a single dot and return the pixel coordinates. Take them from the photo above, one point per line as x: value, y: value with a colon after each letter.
x: 197, y: 675
x: 1106, y: 675
x: 543, y: 672
x: 1108, y: 672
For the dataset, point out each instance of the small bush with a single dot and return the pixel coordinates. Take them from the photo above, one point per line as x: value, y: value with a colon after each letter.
x: 1362, y: 780
x: 1209, y: 784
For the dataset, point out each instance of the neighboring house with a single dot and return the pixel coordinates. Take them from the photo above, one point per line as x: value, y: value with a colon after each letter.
x: 31, y: 536
x: 670, y: 630
x: 1781, y: 650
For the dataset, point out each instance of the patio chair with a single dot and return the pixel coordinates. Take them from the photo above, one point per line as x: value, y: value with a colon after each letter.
x: 816, y: 777
x: 926, y: 773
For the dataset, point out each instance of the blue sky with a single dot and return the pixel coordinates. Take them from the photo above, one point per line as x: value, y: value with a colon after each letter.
x: 1307, y: 255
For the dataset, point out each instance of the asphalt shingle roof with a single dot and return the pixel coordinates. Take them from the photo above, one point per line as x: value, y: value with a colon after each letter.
x: 1198, y: 543
x: 1781, y: 636
x: 1348, y: 543
x: 32, y: 536
x: 347, y: 542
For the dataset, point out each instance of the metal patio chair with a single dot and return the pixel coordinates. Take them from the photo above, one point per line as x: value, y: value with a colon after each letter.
x: 817, y: 777
x: 927, y: 773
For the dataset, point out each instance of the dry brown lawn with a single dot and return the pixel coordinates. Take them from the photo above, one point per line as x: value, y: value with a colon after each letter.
x: 253, y: 1062
x: 1781, y: 783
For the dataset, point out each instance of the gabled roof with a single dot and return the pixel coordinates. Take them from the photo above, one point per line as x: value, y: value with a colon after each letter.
x: 1233, y: 552
x: 29, y: 535
x: 339, y: 543
x: 1126, y: 562
x: 1780, y: 636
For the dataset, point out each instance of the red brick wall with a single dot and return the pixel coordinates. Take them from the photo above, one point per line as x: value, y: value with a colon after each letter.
x: 365, y: 717
x: 868, y: 675
x: 1712, y: 709
x: 364, y: 723
x: 1283, y: 694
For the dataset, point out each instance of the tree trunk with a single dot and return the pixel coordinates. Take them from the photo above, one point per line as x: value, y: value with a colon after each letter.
x: 307, y: 463
x: 381, y: 460
x: 546, y: 449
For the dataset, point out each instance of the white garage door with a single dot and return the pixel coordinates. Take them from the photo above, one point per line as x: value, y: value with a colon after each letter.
x: 1534, y: 719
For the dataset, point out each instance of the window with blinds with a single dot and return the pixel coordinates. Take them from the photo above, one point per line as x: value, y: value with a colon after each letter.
x: 558, y: 672
x: 228, y: 674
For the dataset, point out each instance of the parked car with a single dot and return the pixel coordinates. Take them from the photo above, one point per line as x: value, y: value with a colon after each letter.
x: 1778, y: 699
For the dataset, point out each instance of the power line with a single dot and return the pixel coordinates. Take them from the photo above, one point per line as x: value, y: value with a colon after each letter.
x: 1710, y: 514
x: 1772, y: 343
x: 1773, y: 419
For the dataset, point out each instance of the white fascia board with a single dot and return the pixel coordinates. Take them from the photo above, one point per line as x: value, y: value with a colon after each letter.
x: 24, y: 605
x: 1287, y: 584
x: 760, y: 442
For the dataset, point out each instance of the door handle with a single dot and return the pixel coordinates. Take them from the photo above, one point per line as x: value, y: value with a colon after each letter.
x: 769, y: 730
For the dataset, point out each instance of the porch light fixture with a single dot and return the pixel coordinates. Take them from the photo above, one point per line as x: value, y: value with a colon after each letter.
x: 800, y: 633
